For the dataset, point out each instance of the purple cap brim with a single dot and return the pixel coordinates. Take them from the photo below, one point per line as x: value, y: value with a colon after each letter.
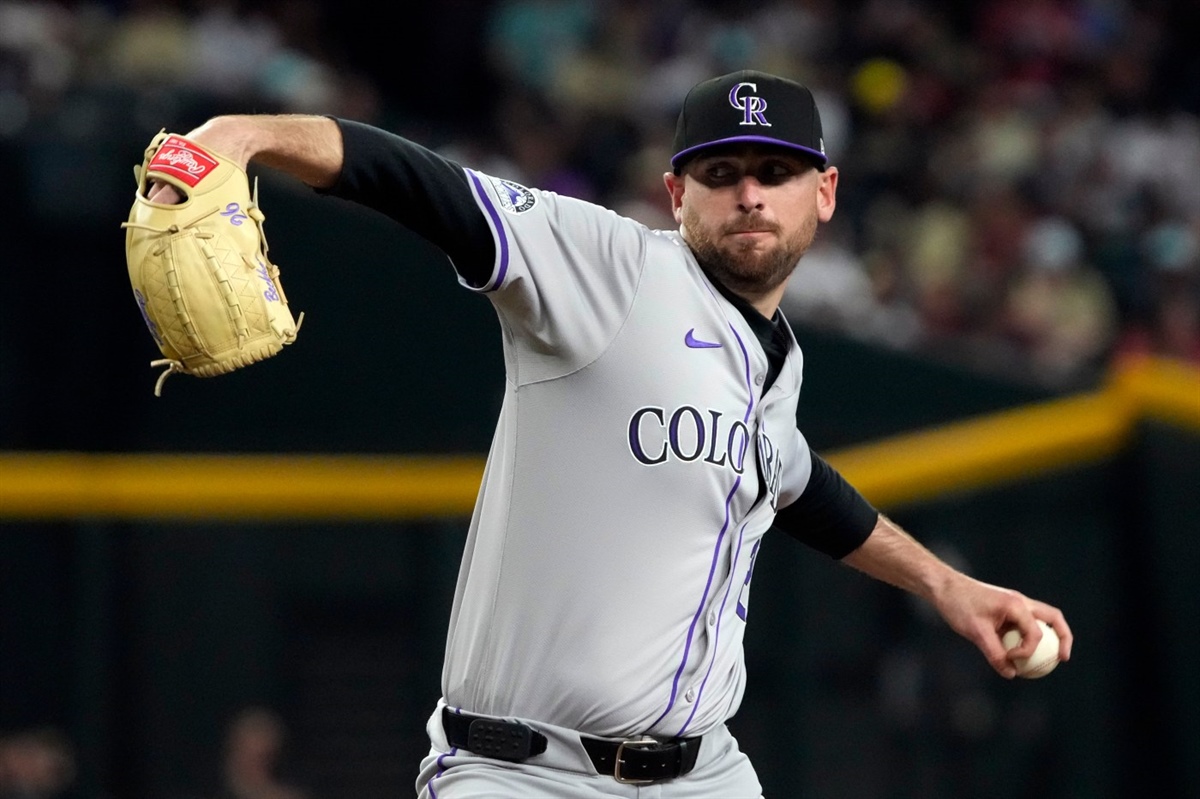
x: 817, y: 154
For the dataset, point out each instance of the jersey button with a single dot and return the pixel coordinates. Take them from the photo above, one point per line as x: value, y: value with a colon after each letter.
x: 712, y: 618
x: 758, y: 379
x: 690, y: 696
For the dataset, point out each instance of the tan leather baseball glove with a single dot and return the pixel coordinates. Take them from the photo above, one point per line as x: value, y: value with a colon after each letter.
x: 209, y: 294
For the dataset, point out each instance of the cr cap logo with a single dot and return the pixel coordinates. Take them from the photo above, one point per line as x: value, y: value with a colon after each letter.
x: 752, y: 106
x: 514, y: 198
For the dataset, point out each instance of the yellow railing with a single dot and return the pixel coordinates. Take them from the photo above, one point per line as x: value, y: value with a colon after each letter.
x: 914, y: 466
x: 235, y: 487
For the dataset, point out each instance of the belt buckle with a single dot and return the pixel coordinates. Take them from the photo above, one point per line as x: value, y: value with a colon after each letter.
x: 643, y: 742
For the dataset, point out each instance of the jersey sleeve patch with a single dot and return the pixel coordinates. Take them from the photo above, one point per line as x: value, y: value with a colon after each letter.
x: 513, y: 197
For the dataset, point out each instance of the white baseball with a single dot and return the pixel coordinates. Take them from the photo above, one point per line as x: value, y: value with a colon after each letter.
x: 1044, y: 658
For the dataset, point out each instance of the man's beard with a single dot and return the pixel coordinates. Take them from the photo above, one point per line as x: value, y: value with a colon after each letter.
x: 743, y: 269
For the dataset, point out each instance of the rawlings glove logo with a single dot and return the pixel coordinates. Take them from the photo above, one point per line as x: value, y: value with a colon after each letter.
x: 182, y: 159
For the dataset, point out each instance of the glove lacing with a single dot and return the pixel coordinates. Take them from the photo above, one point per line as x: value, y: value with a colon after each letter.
x: 172, y: 365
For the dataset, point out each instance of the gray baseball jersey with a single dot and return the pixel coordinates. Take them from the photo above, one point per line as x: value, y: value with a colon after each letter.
x: 636, y: 466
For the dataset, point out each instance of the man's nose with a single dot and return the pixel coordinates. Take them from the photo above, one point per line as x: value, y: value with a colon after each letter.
x: 749, y: 194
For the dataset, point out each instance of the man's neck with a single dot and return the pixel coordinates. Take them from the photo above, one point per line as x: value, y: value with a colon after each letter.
x: 765, y: 304
x: 747, y: 306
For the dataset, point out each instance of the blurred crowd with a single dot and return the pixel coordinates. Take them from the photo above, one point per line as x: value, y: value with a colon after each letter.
x: 40, y: 763
x: 251, y: 765
x: 1019, y: 189
x: 36, y: 763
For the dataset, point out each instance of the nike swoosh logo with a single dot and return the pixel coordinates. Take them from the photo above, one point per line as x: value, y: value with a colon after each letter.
x: 698, y: 344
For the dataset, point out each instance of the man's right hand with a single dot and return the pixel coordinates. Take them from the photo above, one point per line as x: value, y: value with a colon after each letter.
x: 165, y: 193
x: 222, y: 134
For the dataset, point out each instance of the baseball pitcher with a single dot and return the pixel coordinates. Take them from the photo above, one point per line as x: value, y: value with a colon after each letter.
x: 646, y: 444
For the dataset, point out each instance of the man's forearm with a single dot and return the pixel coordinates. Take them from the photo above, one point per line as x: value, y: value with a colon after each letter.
x: 307, y: 147
x: 893, y: 556
x: 979, y: 612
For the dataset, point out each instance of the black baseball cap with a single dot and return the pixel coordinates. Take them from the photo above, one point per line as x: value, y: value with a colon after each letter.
x: 748, y: 106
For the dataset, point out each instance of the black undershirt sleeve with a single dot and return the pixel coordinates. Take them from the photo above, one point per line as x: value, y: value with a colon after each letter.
x: 830, y: 516
x: 427, y: 193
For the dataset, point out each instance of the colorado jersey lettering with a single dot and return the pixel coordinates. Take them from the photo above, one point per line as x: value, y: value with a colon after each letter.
x: 686, y: 435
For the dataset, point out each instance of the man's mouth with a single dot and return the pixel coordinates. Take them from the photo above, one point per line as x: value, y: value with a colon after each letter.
x: 749, y: 227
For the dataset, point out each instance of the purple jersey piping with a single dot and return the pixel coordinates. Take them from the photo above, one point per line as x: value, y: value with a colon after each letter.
x: 499, y: 228
x: 716, y: 634
x: 441, y: 764
x: 712, y: 568
x: 687, y: 647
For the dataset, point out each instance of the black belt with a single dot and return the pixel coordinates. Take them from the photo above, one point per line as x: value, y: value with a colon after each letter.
x: 633, y: 761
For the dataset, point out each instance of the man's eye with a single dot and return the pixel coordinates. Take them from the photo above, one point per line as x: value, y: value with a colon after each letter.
x: 776, y: 171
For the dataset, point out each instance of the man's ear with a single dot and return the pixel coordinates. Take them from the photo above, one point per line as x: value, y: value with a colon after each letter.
x: 827, y: 194
x: 674, y: 184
